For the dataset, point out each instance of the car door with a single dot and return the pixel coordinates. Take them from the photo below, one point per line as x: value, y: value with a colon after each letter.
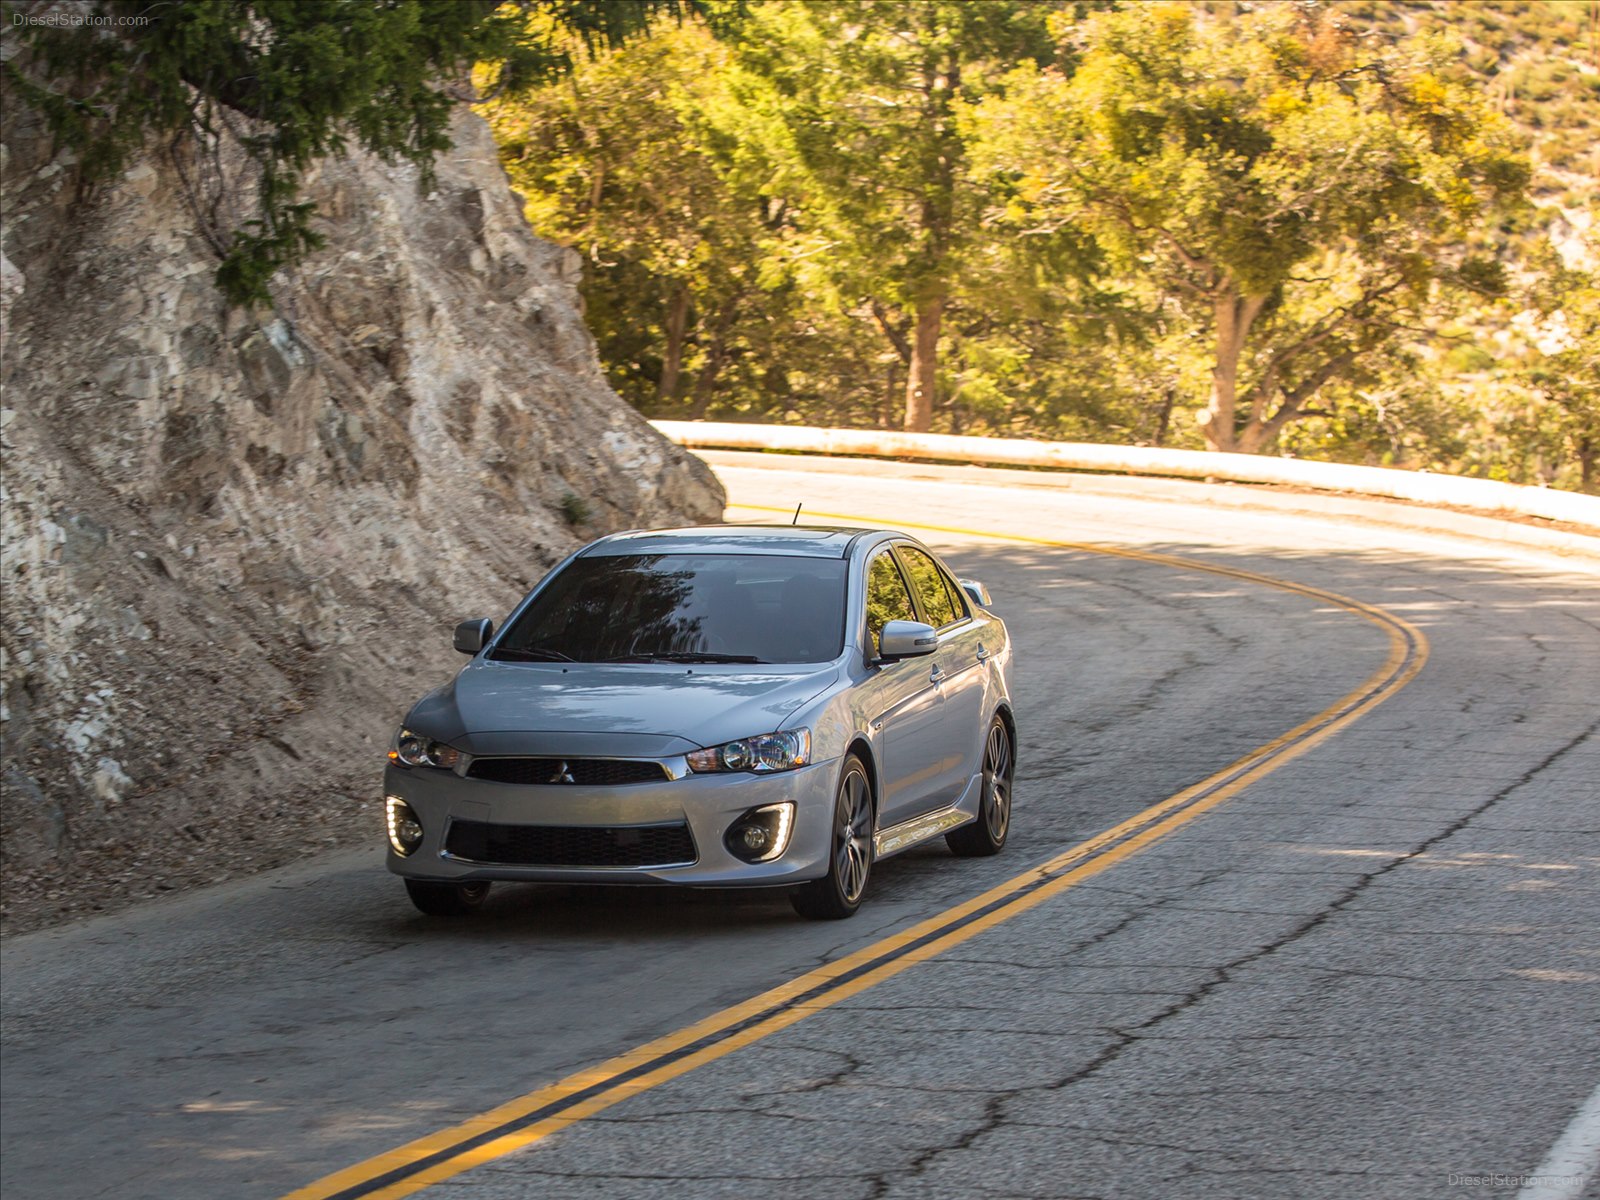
x: 904, y: 704
x: 961, y: 661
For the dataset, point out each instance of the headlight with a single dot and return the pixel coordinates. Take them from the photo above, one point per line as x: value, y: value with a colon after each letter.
x: 762, y: 753
x: 414, y: 750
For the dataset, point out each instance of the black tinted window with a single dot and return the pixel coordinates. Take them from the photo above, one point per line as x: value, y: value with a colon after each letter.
x: 932, y: 589
x: 685, y: 607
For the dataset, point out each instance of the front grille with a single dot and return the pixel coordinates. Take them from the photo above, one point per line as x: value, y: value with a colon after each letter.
x: 572, y: 845
x: 601, y: 772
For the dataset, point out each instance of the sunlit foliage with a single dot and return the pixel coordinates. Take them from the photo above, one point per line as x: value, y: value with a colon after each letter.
x: 290, y: 81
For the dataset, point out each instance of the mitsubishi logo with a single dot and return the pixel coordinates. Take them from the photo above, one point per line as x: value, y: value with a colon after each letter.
x: 563, y: 774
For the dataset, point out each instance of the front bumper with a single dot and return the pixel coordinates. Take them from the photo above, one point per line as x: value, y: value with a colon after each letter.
x: 708, y: 804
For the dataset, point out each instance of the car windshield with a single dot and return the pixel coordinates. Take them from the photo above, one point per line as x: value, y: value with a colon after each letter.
x: 695, y: 608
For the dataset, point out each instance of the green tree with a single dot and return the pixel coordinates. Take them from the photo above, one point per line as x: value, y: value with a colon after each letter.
x: 610, y: 163
x: 1565, y: 377
x: 292, y: 81
x: 1298, y: 195
x: 844, y: 117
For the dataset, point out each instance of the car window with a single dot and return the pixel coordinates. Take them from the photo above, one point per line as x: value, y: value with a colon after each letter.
x: 933, y: 588
x: 958, y: 595
x: 756, y: 608
x: 887, y: 597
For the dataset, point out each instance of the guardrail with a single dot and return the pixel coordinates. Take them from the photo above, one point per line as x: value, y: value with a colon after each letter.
x: 1482, y: 495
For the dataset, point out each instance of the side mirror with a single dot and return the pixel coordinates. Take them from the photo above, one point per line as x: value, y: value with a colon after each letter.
x: 472, y: 636
x: 975, y: 591
x: 906, y: 639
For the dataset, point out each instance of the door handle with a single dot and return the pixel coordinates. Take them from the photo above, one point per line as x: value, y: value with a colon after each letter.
x: 936, y: 674
x: 983, y: 654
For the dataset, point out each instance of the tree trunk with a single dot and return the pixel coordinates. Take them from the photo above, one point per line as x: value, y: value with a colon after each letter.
x: 672, y: 358
x: 897, y: 339
x: 1234, y: 315
x: 920, y: 385
x: 705, y: 379
x: 1164, y: 421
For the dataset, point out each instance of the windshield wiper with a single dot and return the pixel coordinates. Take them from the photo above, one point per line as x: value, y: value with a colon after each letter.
x: 536, y: 654
x: 687, y: 657
x: 707, y: 657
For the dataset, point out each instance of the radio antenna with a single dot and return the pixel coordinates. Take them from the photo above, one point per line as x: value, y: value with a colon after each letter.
x: 796, y: 519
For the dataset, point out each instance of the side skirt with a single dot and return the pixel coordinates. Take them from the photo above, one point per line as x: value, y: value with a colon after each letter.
x: 925, y: 827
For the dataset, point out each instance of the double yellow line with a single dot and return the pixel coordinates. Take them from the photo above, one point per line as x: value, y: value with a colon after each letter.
x: 537, y: 1115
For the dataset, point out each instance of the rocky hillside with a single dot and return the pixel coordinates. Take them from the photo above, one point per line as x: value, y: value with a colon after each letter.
x: 235, y: 542
x: 1539, y: 62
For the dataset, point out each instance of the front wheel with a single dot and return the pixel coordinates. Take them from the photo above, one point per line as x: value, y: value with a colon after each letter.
x: 987, y: 835
x: 447, y: 899
x: 838, y: 893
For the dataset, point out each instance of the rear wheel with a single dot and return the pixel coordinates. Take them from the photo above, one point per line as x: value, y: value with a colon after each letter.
x: 838, y: 893
x: 987, y: 835
x: 447, y: 899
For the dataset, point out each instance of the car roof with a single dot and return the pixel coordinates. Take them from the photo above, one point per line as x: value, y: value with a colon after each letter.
x: 812, y: 541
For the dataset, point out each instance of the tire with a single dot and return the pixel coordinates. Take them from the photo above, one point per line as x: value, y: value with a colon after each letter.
x: 447, y: 899
x: 987, y: 835
x: 838, y: 893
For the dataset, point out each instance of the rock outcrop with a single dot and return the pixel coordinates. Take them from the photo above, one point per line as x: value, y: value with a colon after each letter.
x: 235, y: 542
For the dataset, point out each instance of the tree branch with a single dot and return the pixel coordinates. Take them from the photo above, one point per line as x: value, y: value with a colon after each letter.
x: 896, y: 337
x: 1259, y: 435
x: 1319, y: 333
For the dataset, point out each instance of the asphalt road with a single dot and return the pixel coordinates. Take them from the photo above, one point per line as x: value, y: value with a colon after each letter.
x: 1373, y: 972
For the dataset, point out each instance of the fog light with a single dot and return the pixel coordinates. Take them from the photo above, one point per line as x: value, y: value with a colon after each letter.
x: 761, y: 834
x: 405, y: 830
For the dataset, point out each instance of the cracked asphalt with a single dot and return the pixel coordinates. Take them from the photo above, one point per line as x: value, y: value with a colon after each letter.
x: 1374, y: 973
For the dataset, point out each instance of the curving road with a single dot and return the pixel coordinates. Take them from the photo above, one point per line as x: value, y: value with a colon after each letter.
x: 1370, y: 967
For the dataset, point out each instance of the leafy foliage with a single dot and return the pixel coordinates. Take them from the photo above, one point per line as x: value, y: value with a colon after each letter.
x: 292, y: 81
x: 1534, y: 59
x: 844, y: 114
x: 611, y: 163
x: 1296, y: 196
x: 1562, y: 424
x: 1116, y: 223
x: 763, y: 227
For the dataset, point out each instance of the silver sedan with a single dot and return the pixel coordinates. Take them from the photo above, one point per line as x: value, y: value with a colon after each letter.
x: 748, y: 706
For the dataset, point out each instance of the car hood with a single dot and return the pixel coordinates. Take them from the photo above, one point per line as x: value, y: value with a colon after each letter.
x: 633, y: 709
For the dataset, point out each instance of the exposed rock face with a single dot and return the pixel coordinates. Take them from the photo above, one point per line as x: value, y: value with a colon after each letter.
x: 234, y: 543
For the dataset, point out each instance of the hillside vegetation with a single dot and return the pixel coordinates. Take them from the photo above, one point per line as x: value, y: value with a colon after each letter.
x: 1537, y: 61
x: 1362, y: 231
